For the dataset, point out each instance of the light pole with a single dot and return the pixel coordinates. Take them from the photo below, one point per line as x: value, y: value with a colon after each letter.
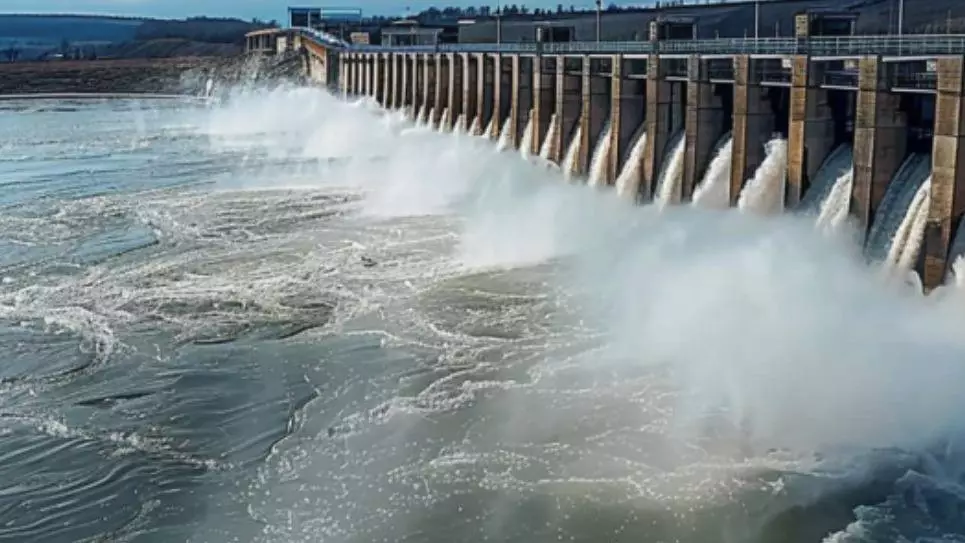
x: 901, y: 16
x: 499, y: 23
x: 757, y: 19
x: 599, y: 8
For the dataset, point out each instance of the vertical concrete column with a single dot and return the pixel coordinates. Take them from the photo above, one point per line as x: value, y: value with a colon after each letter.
x: 627, y: 107
x: 948, y: 170
x: 373, y: 76
x: 364, y: 75
x: 392, y: 99
x: 429, y: 84
x: 382, y: 78
x: 703, y: 125
x: 441, y: 89
x: 504, y: 96
x: 569, y: 101
x: 417, y: 85
x: 753, y: 124
x: 343, y: 73
x: 810, y: 127
x: 596, y: 109
x: 348, y: 74
x: 470, y: 88
x: 544, y: 98
x: 484, y: 91
x: 454, y: 61
x: 658, y: 116
x: 405, y: 92
x: 522, y: 92
x: 880, y: 139
x: 499, y: 96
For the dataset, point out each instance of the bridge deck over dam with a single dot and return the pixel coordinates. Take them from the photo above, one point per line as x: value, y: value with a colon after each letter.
x: 879, y: 117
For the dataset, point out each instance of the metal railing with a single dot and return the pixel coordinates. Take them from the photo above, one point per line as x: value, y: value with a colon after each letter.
x: 844, y: 46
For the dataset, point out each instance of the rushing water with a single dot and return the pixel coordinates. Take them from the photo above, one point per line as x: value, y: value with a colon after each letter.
x: 289, y: 318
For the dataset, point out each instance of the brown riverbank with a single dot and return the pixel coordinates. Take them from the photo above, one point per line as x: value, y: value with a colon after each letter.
x: 98, y: 76
x: 186, y: 75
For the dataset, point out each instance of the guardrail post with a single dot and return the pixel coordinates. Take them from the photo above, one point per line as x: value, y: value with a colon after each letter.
x: 810, y: 127
x: 880, y: 139
x: 948, y: 172
x: 703, y: 125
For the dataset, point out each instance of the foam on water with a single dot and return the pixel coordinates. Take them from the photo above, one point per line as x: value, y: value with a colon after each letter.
x: 594, y: 360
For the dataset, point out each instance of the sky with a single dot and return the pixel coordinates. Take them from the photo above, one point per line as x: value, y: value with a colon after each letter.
x: 245, y: 9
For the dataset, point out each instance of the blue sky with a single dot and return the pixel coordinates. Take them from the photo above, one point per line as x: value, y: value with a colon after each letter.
x: 264, y: 9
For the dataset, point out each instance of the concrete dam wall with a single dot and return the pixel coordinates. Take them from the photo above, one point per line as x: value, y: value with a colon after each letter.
x: 827, y: 127
x: 721, y: 132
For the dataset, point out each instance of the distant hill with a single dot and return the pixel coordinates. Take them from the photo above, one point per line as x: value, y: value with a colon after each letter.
x: 38, y: 36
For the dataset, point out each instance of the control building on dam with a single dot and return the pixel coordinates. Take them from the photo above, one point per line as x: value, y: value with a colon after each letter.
x: 862, y: 127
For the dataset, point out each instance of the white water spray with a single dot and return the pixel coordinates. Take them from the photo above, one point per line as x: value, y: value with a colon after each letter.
x: 835, y: 207
x: 475, y: 129
x: 672, y: 175
x: 444, y: 120
x: 526, y: 141
x: 764, y: 193
x: 552, y: 134
x: 505, y: 136
x: 571, y: 160
x: 627, y: 184
x: 461, y: 126
x: 906, y: 245
x: 800, y: 345
x: 714, y: 190
x: 601, y: 156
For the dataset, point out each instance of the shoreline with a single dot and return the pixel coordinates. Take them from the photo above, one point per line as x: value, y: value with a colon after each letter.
x: 101, y: 96
x: 119, y: 77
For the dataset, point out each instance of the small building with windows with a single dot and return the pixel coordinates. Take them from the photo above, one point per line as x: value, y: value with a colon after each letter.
x: 408, y: 32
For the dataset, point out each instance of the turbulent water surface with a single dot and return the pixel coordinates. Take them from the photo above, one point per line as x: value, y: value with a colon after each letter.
x: 289, y: 318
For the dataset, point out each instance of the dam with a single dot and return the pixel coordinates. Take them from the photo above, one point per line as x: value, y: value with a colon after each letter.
x: 866, y: 130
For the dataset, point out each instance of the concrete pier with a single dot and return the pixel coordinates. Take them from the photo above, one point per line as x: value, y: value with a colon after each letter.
x: 880, y: 139
x: 948, y: 170
x: 659, y: 100
x: 544, y: 100
x: 454, y: 99
x: 626, y: 112
x: 753, y: 124
x: 595, y: 110
x: 703, y: 125
x: 569, y: 100
x: 810, y: 127
x: 485, y: 81
x: 470, y: 87
x: 522, y: 96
